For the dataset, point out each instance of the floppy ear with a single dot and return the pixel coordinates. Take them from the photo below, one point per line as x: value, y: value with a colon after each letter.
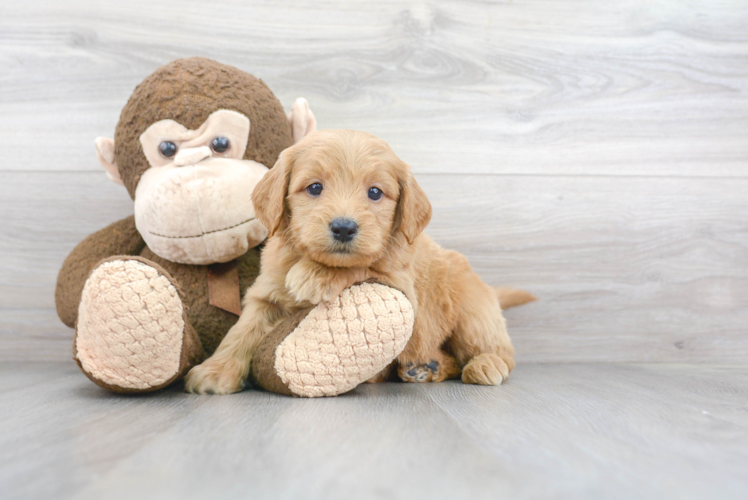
x: 413, y: 209
x: 269, y: 196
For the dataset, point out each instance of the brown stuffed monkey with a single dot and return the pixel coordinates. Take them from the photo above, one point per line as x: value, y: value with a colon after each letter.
x: 152, y: 295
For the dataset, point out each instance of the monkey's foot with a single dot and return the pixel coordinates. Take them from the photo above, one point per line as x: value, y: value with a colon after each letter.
x: 333, y: 347
x: 131, y: 334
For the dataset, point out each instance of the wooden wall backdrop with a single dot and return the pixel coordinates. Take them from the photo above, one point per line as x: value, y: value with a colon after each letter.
x: 593, y: 152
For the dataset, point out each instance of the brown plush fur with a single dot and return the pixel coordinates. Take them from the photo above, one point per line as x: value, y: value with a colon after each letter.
x: 119, y: 238
x: 209, y: 321
x: 458, y: 325
x: 187, y: 91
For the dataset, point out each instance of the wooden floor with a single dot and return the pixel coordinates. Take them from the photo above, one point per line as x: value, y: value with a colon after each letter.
x: 595, y: 153
x: 552, y: 431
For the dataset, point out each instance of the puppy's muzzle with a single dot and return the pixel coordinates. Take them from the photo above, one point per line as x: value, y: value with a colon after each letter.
x: 343, y: 230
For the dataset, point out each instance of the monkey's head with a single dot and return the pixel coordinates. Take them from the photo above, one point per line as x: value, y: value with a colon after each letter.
x: 192, y: 142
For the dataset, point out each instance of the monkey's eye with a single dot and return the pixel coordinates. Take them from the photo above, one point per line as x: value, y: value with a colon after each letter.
x: 375, y: 194
x: 314, y: 189
x: 167, y: 149
x: 220, y: 144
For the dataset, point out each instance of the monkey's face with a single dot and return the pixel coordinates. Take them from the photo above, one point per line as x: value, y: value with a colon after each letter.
x: 194, y: 204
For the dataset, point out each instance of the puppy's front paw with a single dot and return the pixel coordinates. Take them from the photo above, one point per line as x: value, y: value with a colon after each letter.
x: 308, y: 283
x: 485, y: 369
x: 216, y: 377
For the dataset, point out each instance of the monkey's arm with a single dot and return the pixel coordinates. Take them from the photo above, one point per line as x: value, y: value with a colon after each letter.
x: 120, y: 238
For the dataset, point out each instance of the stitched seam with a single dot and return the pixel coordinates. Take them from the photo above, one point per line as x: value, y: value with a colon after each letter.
x: 202, y: 234
x: 199, y: 215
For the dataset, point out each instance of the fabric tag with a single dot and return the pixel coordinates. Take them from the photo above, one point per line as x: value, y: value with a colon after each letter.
x: 224, y: 291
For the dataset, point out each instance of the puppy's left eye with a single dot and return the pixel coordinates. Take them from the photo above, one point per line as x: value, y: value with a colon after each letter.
x: 314, y: 189
x: 375, y: 194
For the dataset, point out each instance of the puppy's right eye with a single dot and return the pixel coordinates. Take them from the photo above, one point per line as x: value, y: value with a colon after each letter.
x: 314, y: 189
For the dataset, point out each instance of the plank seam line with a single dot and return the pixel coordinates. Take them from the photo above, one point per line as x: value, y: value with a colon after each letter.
x: 463, y: 174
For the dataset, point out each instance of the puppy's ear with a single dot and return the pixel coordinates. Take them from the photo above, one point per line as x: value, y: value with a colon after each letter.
x: 269, y: 196
x: 413, y: 209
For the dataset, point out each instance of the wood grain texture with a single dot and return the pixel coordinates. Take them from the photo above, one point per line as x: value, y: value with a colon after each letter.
x: 592, y: 152
x: 627, y: 269
x: 552, y: 431
x: 528, y: 86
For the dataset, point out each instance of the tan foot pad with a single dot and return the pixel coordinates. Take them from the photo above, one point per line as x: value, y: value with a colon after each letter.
x: 130, y: 327
x: 342, y: 343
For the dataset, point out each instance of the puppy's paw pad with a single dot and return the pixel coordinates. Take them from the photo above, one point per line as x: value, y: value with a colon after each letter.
x: 419, y: 373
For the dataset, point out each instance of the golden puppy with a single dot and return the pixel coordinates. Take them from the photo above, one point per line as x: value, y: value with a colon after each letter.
x: 341, y: 208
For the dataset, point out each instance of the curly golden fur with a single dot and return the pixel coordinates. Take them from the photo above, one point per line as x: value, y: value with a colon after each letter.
x: 459, y: 328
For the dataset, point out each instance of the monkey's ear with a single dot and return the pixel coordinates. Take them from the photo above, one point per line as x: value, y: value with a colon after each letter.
x: 105, y: 154
x: 413, y: 209
x: 269, y: 196
x: 301, y: 119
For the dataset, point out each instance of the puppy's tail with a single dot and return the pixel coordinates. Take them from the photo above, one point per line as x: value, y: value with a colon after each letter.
x: 511, y: 297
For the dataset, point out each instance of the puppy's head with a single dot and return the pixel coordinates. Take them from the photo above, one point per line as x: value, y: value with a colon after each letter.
x: 342, y: 197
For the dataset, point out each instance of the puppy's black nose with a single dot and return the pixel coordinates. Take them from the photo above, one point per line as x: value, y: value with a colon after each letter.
x: 343, y: 230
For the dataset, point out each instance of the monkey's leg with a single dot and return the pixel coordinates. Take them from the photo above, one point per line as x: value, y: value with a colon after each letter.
x: 132, y: 334
x: 333, y: 347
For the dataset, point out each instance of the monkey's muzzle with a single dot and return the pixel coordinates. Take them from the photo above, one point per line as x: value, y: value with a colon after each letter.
x: 200, y: 213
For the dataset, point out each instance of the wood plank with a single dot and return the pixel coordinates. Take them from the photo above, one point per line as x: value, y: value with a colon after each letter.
x: 34, y: 335
x: 587, y: 424
x: 560, y: 431
x: 573, y: 87
x: 627, y: 268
